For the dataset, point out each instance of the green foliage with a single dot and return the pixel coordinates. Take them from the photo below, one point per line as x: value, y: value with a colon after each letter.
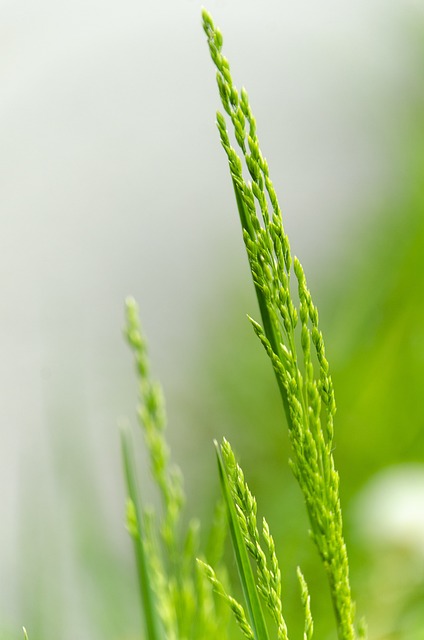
x: 137, y: 529
x: 308, y: 401
x: 167, y: 583
x: 306, y: 601
x: 176, y: 598
x: 240, y: 547
x: 182, y: 598
x: 242, y: 512
x: 235, y: 606
x: 166, y: 574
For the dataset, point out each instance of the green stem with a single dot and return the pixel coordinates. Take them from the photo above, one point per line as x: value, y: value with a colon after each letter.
x: 146, y: 591
x: 244, y: 567
x: 263, y: 307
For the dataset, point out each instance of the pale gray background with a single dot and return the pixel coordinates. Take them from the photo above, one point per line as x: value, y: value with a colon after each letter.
x: 112, y: 182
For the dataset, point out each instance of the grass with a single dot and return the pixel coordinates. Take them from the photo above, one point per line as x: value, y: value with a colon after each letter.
x: 187, y: 586
x: 178, y: 593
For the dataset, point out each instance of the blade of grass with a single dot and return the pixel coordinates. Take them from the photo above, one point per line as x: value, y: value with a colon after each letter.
x: 146, y: 590
x: 244, y: 567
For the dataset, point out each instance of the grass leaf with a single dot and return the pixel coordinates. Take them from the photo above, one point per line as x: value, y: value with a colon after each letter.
x: 247, y: 579
x: 136, y: 531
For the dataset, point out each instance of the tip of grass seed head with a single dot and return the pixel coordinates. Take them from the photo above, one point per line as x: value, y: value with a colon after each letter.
x: 206, y: 19
x: 123, y: 425
x: 222, y: 447
x: 130, y: 302
x: 227, y: 451
x: 131, y: 310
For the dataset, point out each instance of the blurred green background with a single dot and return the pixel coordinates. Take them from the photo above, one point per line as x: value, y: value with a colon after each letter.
x: 114, y: 183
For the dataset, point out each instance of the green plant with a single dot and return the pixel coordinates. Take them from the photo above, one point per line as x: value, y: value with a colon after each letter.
x: 177, y: 594
x: 176, y: 599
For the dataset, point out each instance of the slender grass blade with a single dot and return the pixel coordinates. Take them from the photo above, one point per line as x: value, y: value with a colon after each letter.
x: 257, y: 620
x: 146, y: 591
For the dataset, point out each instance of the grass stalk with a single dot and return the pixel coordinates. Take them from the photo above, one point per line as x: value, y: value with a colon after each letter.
x: 135, y: 526
x: 308, y: 397
x: 247, y: 579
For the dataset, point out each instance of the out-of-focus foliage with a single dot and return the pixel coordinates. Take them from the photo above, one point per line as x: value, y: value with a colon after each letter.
x: 377, y: 332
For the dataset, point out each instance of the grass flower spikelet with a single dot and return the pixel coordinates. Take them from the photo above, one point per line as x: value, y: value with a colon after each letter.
x: 172, y: 587
x: 308, y: 397
x: 235, y: 606
x: 268, y: 571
